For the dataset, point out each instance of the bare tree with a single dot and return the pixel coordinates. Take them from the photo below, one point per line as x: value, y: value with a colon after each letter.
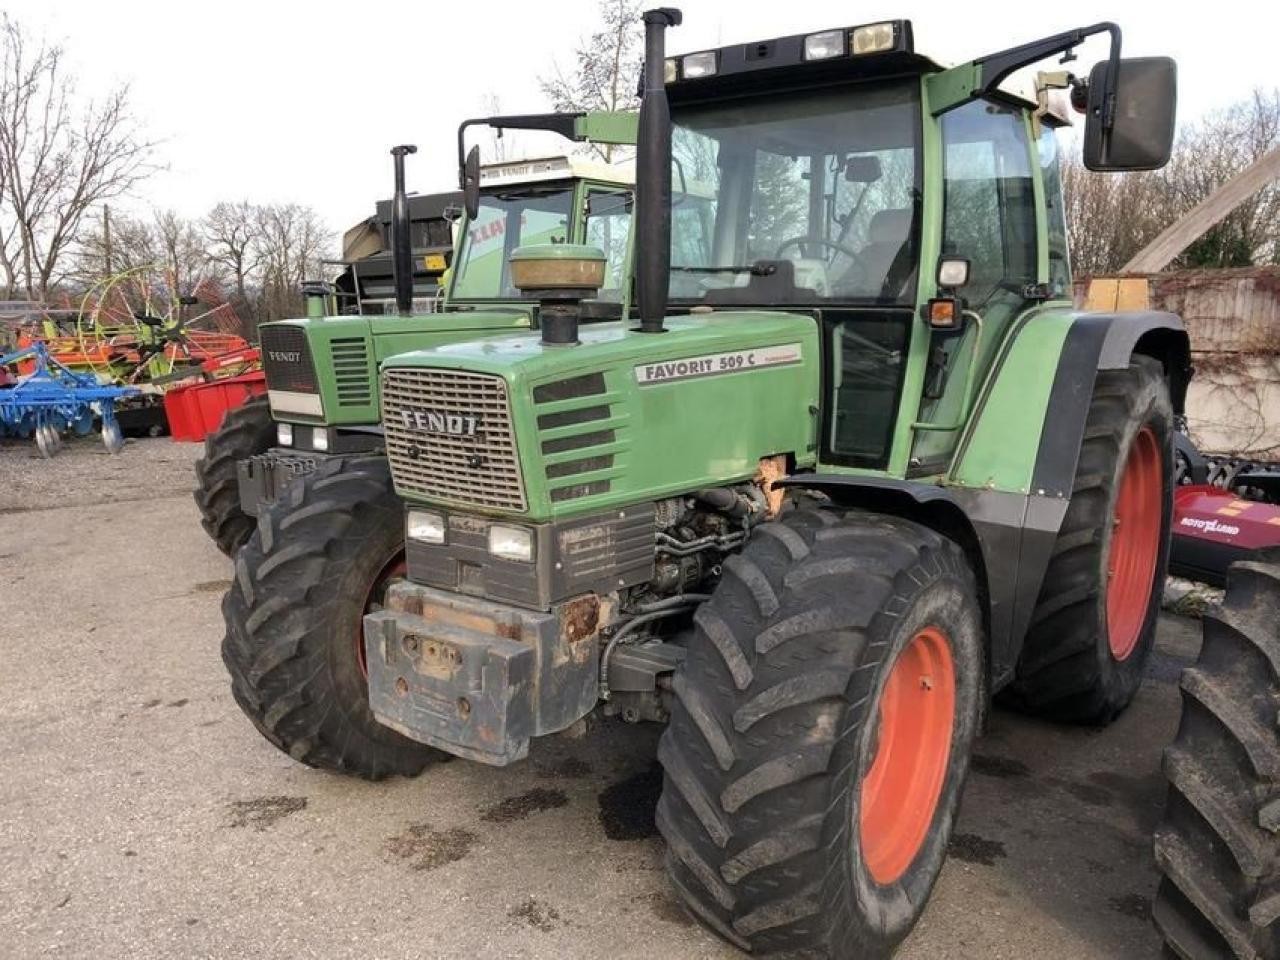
x: 607, y: 67
x: 60, y: 156
x: 1213, y: 151
x: 151, y: 262
x: 1112, y: 217
x: 291, y: 240
x: 498, y: 139
x: 231, y: 230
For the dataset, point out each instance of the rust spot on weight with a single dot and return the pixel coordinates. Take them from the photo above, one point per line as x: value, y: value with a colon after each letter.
x: 579, y: 618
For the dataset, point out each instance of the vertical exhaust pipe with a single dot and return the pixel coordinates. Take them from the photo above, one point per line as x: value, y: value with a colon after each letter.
x: 401, y: 242
x: 653, y: 175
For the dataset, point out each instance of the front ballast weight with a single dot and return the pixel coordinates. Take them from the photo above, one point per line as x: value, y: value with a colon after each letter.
x: 479, y: 679
x: 52, y: 400
x: 589, y: 626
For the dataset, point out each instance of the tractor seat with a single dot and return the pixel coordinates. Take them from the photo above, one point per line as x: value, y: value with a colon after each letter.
x: 888, y: 235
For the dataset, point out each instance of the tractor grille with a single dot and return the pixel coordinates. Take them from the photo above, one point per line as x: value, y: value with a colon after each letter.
x: 286, y: 359
x: 449, y: 436
x: 351, y: 371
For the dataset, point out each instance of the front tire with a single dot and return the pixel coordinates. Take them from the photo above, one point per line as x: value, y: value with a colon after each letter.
x: 821, y: 733
x: 1094, y: 623
x: 1218, y: 847
x: 245, y: 432
x: 321, y: 557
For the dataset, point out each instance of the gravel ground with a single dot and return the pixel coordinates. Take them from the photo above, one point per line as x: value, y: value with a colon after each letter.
x: 83, y: 472
x: 142, y: 816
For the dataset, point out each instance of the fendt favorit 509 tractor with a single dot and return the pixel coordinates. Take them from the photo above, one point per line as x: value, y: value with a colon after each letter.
x: 322, y: 399
x: 857, y: 467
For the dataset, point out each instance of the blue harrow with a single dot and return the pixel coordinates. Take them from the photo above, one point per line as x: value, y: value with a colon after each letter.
x: 52, y: 399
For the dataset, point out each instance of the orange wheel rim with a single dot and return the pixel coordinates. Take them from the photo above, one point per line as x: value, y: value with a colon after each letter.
x: 901, y: 788
x: 1135, y: 543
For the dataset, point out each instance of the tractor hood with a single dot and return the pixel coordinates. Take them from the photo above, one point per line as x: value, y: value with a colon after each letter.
x: 509, y: 425
x: 322, y: 370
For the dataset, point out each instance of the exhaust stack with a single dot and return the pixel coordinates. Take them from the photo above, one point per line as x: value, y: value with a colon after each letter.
x: 401, y: 242
x: 653, y: 175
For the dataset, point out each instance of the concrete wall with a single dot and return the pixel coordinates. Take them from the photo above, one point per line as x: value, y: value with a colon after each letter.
x: 1233, y: 319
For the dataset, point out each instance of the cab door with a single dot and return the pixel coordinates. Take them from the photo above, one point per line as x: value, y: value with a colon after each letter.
x: 989, y: 216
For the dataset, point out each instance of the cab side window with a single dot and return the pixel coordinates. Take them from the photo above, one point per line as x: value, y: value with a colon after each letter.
x: 1055, y: 214
x: 990, y: 206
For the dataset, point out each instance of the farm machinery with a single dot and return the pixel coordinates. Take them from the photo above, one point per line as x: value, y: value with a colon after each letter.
x: 127, y: 335
x: 856, y: 467
x: 367, y: 282
x: 1226, y: 509
x: 323, y: 403
x: 47, y: 399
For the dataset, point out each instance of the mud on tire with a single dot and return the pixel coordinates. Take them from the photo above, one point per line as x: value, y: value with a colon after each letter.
x: 246, y: 431
x: 1068, y: 669
x: 293, y: 620
x: 769, y: 740
x: 1218, y: 846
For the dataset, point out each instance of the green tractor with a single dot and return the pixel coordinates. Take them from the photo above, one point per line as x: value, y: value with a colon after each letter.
x: 322, y: 397
x: 858, y: 467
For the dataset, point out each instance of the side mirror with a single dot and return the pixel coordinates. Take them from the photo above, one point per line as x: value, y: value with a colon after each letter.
x: 1144, y: 101
x: 471, y: 183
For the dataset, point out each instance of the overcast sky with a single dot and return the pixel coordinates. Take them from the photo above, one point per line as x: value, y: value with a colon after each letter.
x: 277, y: 100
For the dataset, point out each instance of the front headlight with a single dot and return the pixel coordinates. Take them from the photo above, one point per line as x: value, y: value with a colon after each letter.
x: 284, y: 434
x: 320, y: 439
x: 511, y: 543
x: 425, y: 527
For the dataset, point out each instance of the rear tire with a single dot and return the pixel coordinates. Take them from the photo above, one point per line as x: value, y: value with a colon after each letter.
x: 245, y: 432
x: 1218, y: 846
x: 767, y: 803
x: 1095, y: 620
x: 319, y: 559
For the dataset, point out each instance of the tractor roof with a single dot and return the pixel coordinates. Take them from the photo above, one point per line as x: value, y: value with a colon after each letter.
x: 541, y: 169
x: 804, y: 60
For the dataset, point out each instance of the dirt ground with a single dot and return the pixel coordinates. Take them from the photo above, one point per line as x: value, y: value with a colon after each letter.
x: 142, y: 816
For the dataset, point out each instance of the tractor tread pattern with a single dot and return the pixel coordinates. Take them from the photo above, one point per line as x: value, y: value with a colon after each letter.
x: 746, y: 806
x: 1216, y: 849
x: 279, y: 615
x: 245, y: 431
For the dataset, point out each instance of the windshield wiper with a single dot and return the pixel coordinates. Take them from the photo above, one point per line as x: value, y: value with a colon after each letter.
x: 761, y: 268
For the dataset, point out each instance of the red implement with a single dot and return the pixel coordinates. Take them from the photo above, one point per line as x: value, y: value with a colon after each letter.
x: 1213, y: 528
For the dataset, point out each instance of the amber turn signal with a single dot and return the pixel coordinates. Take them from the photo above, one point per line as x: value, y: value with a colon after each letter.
x: 943, y: 313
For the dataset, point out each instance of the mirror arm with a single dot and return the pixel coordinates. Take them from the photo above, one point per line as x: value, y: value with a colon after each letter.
x: 997, y: 66
x: 565, y: 124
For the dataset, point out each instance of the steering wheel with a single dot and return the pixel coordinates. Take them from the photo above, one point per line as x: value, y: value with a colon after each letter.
x: 796, y: 241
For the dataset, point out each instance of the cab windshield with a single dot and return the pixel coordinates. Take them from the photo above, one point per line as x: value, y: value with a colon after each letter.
x: 797, y: 198
x: 506, y: 220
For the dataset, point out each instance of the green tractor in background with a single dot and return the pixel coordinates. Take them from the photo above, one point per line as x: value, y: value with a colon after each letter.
x: 322, y: 386
x: 858, y: 467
